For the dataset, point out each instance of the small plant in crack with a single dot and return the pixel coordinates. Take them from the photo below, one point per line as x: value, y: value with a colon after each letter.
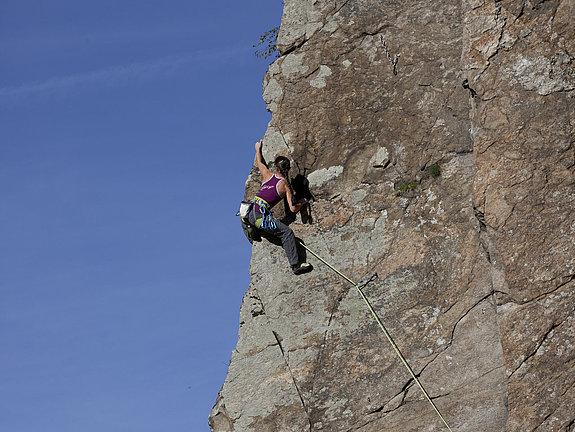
x: 434, y: 170
x: 408, y: 186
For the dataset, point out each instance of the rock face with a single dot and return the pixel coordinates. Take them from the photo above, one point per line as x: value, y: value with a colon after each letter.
x: 437, y: 138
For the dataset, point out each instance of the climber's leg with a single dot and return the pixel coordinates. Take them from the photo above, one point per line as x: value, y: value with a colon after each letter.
x: 286, y: 235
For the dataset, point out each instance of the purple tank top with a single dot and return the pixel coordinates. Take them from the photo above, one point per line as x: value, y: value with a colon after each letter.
x: 269, y: 192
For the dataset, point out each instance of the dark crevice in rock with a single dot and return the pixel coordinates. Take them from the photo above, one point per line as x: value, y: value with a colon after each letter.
x: 521, y: 12
x: 311, y: 73
x: 320, y: 354
x: 488, y: 242
x: 403, y: 392
x: 484, y: 150
x: 570, y: 278
x: 286, y: 361
x: 376, y: 410
x: 480, y: 216
x: 484, y: 242
x: 370, y: 421
x: 409, y: 385
x: 503, y: 294
x: 392, y: 61
x: 373, y: 32
x: 336, y: 306
x: 543, y: 421
x: 550, y: 414
x: 449, y: 307
x: 508, y: 216
x: 465, y: 314
x: 336, y: 10
x: 539, y: 344
x: 405, y: 389
x: 306, y: 39
x: 465, y: 384
x: 466, y: 86
x: 294, y: 47
x: 278, y: 339
x: 383, y: 413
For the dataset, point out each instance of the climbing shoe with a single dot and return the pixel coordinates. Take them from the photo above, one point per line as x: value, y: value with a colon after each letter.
x: 302, y: 268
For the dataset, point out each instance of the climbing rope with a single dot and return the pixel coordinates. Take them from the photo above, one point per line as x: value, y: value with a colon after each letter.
x: 387, y: 335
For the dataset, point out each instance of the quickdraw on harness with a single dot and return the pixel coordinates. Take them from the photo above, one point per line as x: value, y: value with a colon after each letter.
x: 266, y: 222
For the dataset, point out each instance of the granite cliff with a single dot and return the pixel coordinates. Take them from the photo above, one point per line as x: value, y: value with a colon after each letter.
x: 437, y: 138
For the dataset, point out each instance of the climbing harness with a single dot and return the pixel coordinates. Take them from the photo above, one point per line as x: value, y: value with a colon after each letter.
x: 265, y: 222
x: 387, y: 335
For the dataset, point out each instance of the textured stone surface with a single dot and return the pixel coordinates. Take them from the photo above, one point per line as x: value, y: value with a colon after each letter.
x: 523, y: 122
x: 476, y: 266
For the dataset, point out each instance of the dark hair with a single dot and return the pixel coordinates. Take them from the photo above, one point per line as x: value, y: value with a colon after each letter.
x: 283, y: 165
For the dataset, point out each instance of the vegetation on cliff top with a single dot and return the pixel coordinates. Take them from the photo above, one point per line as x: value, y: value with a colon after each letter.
x: 267, y: 46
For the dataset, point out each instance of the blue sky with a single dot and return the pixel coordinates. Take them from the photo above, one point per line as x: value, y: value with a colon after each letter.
x: 126, y: 136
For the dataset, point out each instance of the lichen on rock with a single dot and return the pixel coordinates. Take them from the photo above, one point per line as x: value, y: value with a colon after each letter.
x: 476, y: 265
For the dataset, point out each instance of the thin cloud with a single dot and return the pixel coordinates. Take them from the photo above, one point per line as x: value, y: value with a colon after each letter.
x: 135, y: 72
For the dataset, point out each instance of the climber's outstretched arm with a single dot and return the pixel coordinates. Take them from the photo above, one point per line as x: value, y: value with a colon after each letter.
x: 261, y: 163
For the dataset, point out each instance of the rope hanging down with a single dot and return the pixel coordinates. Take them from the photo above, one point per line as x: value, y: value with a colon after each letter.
x: 387, y: 335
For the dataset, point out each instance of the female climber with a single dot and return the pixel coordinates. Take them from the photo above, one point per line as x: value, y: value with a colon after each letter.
x: 275, y: 187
